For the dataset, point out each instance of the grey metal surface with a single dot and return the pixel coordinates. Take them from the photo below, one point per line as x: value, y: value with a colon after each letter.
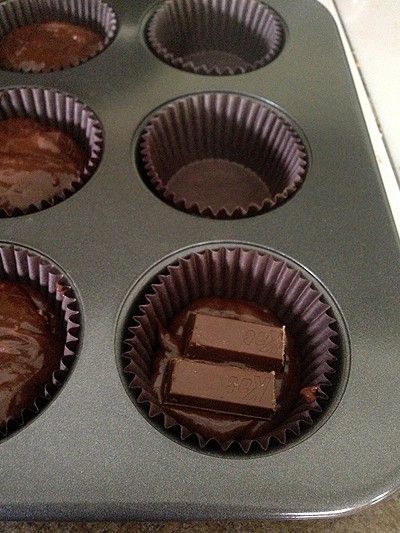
x: 91, y: 454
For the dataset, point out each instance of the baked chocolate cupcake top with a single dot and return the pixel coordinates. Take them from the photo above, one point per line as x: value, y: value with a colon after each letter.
x: 48, y: 46
x: 236, y: 383
x: 31, y: 347
x: 37, y: 163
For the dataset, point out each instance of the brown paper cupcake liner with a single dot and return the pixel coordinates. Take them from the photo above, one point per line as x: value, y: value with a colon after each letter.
x: 93, y: 14
x: 222, y: 155
x: 61, y: 111
x: 244, y: 274
x: 20, y: 265
x: 216, y: 37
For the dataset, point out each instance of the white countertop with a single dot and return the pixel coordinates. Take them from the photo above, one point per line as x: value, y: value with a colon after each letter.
x: 373, y: 29
x: 370, y: 32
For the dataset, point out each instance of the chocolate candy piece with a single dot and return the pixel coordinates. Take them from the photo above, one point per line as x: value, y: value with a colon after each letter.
x: 216, y: 425
x: 221, y: 388
x: 219, y: 339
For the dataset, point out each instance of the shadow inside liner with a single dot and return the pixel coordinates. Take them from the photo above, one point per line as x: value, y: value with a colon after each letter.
x: 217, y: 58
x: 218, y: 182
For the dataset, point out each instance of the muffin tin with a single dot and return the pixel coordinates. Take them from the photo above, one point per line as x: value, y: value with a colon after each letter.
x: 91, y: 454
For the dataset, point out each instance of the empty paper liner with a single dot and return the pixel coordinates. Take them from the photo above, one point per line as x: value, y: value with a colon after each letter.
x: 238, y: 274
x: 222, y: 155
x: 35, y: 174
x: 216, y: 37
x: 37, y: 36
x: 35, y: 272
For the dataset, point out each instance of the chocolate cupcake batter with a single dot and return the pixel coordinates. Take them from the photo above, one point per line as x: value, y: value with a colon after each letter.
x: 219, y: 425
x: 37, y: 163
x: 31, y: 346
x: 48, y: 46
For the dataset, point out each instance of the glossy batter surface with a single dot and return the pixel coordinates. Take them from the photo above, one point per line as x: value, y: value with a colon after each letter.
x: 37, y: 163
x: 31, y: 346
x: 48, y: 46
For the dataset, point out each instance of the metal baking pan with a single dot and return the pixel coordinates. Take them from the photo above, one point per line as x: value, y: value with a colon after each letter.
x: 91, y: 455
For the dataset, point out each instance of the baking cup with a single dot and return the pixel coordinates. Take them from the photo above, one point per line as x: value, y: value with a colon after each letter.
x: 216, y: 37
x: 24, y: 266
x: 93, y: 14
x: 222, y: 155
x: 61, y: 111
x: 244, y: 274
